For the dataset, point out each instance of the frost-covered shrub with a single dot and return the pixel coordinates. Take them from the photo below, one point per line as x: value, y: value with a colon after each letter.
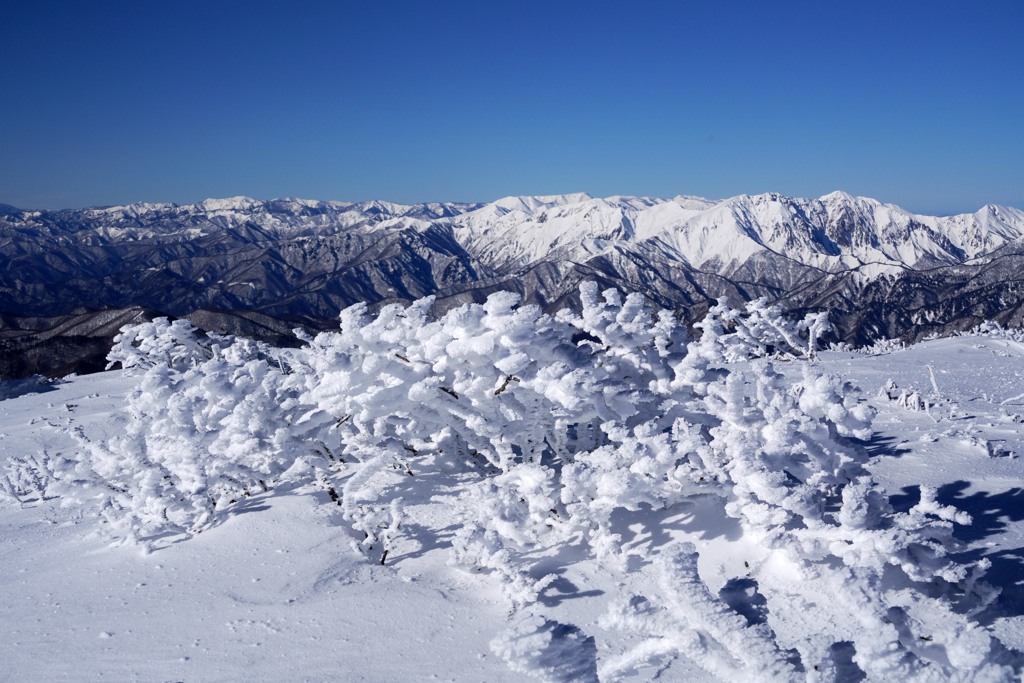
x: 504, y: 516
x: 158, y: 343
x: 206, y: 438
x: 30, y: 477
x: 693, y: 622
x: 760, y: 330
x: 487, y: 388
x: 993, y: 329
x: 883, y: 346
x: 772, y: 450
x: 778, y: 455
x: 202, y: 437
x: 909, y: 399
x: 552, y: 425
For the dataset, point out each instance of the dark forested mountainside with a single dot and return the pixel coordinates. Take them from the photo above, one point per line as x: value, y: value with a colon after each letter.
x: 262, y: 268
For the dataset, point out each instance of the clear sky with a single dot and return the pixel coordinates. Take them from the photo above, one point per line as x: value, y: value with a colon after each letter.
x: 917, y: 103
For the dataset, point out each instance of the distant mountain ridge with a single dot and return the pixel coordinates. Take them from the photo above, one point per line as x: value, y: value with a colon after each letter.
x: 261, y: 267
x: 835, y: 231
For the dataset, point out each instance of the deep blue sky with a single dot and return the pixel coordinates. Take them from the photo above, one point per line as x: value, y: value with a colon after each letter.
x: 917, y: 103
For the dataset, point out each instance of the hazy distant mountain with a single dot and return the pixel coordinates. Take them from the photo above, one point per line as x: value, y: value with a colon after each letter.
x: 263, y: 267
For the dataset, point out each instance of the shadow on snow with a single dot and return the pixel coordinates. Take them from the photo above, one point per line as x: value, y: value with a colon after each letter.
x: 991, y: 514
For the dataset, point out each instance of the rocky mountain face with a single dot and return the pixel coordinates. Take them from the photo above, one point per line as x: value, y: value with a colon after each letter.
x: 69, y: 279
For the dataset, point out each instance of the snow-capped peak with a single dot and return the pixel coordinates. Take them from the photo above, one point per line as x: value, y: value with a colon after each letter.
x: 834, y: 232
x: 229, y: 204
x: 837, y: 196
x: 529, y: 204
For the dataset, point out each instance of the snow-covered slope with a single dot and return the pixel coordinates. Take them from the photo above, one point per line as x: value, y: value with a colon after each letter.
x: 277, y: 595
x: 282, y: 589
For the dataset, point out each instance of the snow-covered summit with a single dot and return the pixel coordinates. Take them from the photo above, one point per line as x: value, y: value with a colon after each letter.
x: 835, y: 232
x: 483, y: 496
x: 229, y: 204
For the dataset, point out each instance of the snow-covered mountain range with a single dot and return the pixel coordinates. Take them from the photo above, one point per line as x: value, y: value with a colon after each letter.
x: 262, y: 267
x: 834, y: 233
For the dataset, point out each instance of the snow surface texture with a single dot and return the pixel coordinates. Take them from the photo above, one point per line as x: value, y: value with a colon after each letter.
x: 500, y: 493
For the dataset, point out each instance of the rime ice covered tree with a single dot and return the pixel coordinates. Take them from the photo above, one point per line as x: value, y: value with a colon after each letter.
x: 547, y: 428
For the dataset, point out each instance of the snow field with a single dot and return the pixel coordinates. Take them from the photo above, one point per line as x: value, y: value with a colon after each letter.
x: 581, y: 496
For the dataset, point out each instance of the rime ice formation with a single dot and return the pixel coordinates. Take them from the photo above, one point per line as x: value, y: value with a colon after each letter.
x: 637, y: 502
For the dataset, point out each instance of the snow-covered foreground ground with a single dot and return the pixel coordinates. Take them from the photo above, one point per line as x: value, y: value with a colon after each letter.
x: 969, y: 445
x: 282, y: 589
x: 275, y: 593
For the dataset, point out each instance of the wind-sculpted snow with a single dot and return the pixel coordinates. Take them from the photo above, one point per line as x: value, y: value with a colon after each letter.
x: 559, y: 434
x: 545, y: 649
x: 692, y: 622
